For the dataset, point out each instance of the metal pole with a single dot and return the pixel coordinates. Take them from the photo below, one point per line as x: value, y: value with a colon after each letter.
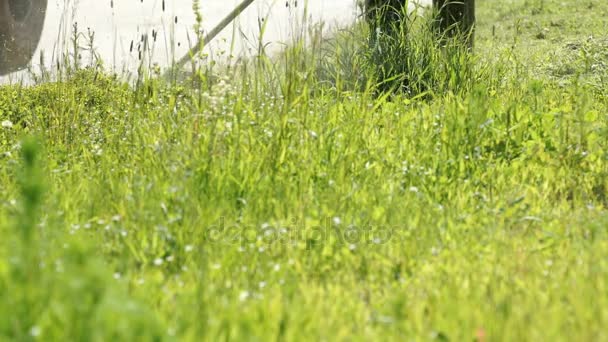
x: 214, y: 32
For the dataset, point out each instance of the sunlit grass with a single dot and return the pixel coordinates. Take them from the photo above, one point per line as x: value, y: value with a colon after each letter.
x: 292, y: 197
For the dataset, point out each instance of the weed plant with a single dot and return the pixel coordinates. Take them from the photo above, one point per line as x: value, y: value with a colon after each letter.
x: 302, y: 196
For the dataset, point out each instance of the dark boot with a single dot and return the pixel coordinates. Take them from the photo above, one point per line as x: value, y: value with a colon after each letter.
x: 384, y: 15
x: 456, y: 17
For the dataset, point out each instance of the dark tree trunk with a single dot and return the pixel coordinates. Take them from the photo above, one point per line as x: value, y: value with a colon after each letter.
x: 456, y: 17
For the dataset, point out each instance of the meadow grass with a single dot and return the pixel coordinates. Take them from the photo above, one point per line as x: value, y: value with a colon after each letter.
x: 298, y: 197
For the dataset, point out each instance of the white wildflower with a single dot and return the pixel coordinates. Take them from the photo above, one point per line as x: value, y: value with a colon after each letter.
x: 35, y: 330
x: 244, y: 295
x: 7, y: 124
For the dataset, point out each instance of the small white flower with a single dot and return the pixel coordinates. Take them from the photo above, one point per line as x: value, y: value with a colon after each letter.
x: 188, y: 248
x: 158, y: 261
x: 337, y: 221
x: 35, y: 330
x: 244, y: 295
x: 7, y: 124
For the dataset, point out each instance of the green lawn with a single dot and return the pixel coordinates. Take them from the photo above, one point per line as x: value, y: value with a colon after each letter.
x: 292, y: 201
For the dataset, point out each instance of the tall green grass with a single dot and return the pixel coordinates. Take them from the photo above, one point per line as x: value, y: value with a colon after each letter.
x: 304, y: 196
x: 406, y: 54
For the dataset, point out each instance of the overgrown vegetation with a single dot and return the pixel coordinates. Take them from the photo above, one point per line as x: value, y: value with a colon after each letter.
x: 295, y: 200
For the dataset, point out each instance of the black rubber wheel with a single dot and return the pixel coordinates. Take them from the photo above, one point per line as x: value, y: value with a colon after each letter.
x: 21, y: 23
